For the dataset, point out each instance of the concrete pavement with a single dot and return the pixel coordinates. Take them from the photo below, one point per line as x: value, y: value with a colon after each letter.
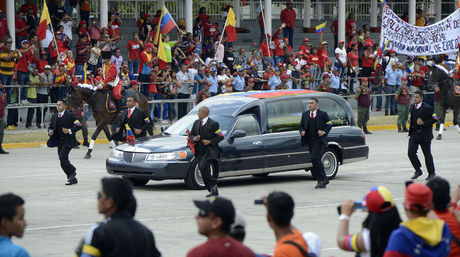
x: 59, y: 216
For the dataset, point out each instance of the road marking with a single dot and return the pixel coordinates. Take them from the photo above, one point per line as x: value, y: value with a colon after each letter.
x: 49, y: 174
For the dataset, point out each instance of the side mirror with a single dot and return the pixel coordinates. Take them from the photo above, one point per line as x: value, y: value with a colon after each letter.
x: 236, y: 134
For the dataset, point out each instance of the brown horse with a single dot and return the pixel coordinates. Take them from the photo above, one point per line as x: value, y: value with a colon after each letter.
x: 97, y: 101
x: 438, y: 77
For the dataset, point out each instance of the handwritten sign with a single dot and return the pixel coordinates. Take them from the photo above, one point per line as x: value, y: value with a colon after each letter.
x: 439, y: 38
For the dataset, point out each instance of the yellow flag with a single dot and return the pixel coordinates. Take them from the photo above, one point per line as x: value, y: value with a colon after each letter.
x: 231, y: 18
x: 161, y: 50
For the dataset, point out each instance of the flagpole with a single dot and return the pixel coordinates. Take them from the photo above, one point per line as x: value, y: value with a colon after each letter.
x: 220, y: 40
x: 265, y: 32
x: 54, y: 38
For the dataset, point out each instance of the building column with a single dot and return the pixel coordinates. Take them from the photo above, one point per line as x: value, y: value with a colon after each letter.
x: 306, y: 13
x: 104, y: 12
x: 237, y: 10
x: 188, y: 9
x: 412, y: 11
x: 268, y: 16
x: 319, y: 10
x: 11, y: 20
x: 341, y: 20
x: 438, y: 10
x: 374, y: 14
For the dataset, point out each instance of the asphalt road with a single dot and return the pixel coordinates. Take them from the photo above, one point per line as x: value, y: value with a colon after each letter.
x: 59, y: 216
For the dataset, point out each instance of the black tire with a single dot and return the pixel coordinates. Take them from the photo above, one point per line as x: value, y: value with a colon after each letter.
x: 261, y: 175
x: 137, y: 182
x: 330, y: 162
x: 194, y: 180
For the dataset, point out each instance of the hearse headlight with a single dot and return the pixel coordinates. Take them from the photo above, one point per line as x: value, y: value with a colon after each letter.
x: 116, y: 154
x: 166, y: 156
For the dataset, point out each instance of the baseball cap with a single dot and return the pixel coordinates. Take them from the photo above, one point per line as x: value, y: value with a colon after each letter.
x: 24, y: 41
x: 43, y: 52
x: 74, y: 83
x: 133, y: 82
x: 206, y: 70
x: 47, y: 67
x: 300, y: 53
x: 220, y: 206
x: 285, y: 38
x: 62, y: 64
x: 324, y: 43
x: 404, y: 78
x: 392, y: 51
x: 379, y: 199
x: 240, y: 221
x: 149, y: 45
x: 341, y: 42
x: 418, y: 197
x: 306, y: 39
x: 364, y: 79
x: 250, y: 80
x: 213, y: 69
x: 326, y: 75
x: 283, y: 77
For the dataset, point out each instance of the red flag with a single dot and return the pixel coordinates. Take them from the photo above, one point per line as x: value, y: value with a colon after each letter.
x: 44, y: 21
x: 230, y: 29
x: 190, y: 144
x: 244, y: 2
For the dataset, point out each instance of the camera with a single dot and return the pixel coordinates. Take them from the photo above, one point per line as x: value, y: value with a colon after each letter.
x: 259, y: 201
x: 358, y: 205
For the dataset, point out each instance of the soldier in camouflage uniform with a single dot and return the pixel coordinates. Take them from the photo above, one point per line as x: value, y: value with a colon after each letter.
x: 362, y: 95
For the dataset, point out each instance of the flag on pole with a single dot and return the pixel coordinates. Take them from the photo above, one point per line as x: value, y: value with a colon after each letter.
x: 165, y: 24
x: 230, y: 26
x: 380, y: 53
x: 44, y: 21
x: 161, y: 51
x: 129, y: 133
x: 84, y: 74
x: 384, y: 2
x: 320, y: 27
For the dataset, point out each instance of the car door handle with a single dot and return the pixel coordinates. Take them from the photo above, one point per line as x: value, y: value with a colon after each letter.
x: 257, y: 142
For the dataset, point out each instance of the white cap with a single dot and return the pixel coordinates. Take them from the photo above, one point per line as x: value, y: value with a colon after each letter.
x: 47, y: 67
x: 313, y: 242
x: 239, y: 221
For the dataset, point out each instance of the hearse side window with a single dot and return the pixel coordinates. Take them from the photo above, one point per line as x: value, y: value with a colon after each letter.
x: 249, y: 124
x: 337, y: 115
x: 284, y: 115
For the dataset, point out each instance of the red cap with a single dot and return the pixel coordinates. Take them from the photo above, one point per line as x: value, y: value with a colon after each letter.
x: 62, y: 64
x: 364, y: 79
x: 280, y: 64
x: 404, y: 78
x: 133, y: 82
x: 285, y: 38
x: 392, y: 51
x: 300, y: 53
x: 250, y: 80
x: 288, y: 2
x: 150, y: 45
x: 284, y: 77
x: 83, y: 22
x: 341, y: 42
x: 418, y: 197
x: 146, y: 15
x: 306, y: 39
x: 379, y: 199
x: 74, y: 83
x: 206, y: 70
x: 43, y: 52
x: 326, y: 75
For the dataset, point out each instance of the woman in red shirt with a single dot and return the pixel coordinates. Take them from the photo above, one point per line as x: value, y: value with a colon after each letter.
x: 314, y: 60
x: 417, y: 78
x: 353, y: 65
x: 368, y: 60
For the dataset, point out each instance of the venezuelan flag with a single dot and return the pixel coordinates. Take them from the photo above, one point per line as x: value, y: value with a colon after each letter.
x: 129, y: 133
x: 77, y: 123
x: 161, y: 51
x: 320, y: 27
x: 435, y: 117
x: 147, y: 120
x: 219, y: 133
x: 380, y: 53
x: 165, y: 25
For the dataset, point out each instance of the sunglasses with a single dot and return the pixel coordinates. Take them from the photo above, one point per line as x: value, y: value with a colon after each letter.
x: 203, y: 213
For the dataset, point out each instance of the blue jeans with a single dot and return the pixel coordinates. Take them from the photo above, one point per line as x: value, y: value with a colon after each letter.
x: 340, y: 68
x: 390, y: 99
x: 271, y: 62
x: 23, y: 80
x: 133, y: 66
x: 79, y: 70
x: 352, y: 81
x: 171, y: 110
x: 378, y: 98
x: 7, y: 80
x: 289, y: 33
x: 278, y: 59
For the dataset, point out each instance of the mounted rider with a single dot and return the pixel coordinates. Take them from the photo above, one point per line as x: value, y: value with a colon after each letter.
x: 111, y: 79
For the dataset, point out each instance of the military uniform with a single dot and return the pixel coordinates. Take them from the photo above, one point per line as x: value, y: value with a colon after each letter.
x: 403, y: 107
x: 323, y: 88
x: 364, y: 102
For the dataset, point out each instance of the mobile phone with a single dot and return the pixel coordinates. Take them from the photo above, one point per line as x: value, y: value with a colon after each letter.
x: 358, y: 205
x: 259, y: 201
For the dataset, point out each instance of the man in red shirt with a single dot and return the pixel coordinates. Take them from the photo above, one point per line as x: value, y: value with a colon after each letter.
x: 279, y: 46
x: 21, y: 28
x: 323, y: 54
x: 3, y: 27
x: 134, y: 46
x: 29, y: 5
x: 27, y: 56
x: 350, y: 26
x: 305, y: 48
x: 287, y: 17
x: 111, y: 79
x: 214, y: 219
x: 42, y: 62
x: 267, y: 53
x: 260, y: 19
x: 114, y: 27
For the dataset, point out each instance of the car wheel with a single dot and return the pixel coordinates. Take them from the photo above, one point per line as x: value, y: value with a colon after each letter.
x: 330, y: 163
x: 261, y: 175
x: 137, y: 182
x: 194, y: 180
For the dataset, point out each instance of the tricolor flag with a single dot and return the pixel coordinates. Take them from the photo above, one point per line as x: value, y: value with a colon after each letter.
x: 44, y: 21
x: 77, y: 123
x: 230, y: 26
x: 161, y: 50
x: 129, y: 133
x: 320, y: 27
x: 458, y: 3
x: 380, y: 53
x: 147, y: 120
x: 219, y: 133
x: 384, y: 2
x: 165, y: 24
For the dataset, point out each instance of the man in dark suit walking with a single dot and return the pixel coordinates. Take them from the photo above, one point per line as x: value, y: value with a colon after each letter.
x: 314, y: 127
x: 207, y: 135
x: 136, y: 118
x: 421, y: 122
x: 62, y: 131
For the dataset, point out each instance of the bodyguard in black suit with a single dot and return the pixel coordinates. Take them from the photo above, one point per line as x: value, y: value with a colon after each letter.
x: 136, y: 119
x: 421, y: 122
x: 314, y: 127
x: 207, y: 135
x: 62, y: 131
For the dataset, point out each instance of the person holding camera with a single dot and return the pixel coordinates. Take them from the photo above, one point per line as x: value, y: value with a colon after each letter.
x: 314, y: 127
x: 382, y: 219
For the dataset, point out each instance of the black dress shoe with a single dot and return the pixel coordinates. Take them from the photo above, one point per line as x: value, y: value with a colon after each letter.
x: 320, y: 184
x: 405, y: 130
x: 417, y: 174
x: 3, y: 152
x: 71, y: 182
x: 213, y: 191
x: 430, y: 176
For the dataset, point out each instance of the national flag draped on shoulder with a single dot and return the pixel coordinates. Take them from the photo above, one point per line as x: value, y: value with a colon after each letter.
x: 165, y: 25
x: 44, y: 21
x: 230, y: 29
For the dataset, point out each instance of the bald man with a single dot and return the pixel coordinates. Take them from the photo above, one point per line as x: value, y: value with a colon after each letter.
x: 207, y: 135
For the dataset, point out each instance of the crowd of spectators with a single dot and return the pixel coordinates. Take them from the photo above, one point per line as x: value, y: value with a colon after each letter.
x: 196, y: 66
x: 432, y: 227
